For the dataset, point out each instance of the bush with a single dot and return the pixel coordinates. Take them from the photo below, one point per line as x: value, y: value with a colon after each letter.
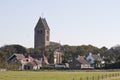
x: 48, y: 67
x: 113, y: 66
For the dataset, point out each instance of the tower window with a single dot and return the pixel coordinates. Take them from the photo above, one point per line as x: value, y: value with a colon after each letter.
x: 40, y: 32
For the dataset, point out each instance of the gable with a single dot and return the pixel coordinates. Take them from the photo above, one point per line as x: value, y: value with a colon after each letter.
x: 97, y: 57
x: 15, y: 57
x: 90, y: 59
x: 82, y: 60
x: 11, y: 58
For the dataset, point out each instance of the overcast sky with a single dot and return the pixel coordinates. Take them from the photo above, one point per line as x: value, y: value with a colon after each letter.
x: 73, y: 22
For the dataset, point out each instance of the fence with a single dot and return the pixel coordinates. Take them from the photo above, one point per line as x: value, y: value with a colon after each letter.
x: 100, y: 77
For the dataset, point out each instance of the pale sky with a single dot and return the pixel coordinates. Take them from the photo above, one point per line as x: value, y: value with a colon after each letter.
x: 73, y: 22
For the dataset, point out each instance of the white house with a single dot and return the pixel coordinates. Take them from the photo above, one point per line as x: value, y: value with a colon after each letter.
x: 84, y: 64
x: 31, y: 62
x: 95, y: 60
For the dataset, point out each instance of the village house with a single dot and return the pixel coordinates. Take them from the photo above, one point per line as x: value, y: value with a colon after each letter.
x: 95, y: 60
x: 29, y: 62
x: 79, y: 63
x: 83, y: 62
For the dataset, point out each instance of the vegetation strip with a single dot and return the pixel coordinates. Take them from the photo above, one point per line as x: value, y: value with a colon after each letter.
x: 57, y: 75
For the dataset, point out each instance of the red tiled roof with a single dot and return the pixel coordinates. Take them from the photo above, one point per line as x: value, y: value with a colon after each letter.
x: 82, y: 60
x: 20, y: 56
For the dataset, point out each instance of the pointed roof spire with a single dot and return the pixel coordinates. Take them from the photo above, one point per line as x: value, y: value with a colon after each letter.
x: 43, y: 22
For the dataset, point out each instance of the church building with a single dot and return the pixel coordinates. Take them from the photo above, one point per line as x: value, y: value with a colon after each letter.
x: 42, y: 40
x: 42, y: 35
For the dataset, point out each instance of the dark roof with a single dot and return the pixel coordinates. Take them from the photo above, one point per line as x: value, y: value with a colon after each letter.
x: 82, y: 60
x: 42, y: 21
x: 54, y: 44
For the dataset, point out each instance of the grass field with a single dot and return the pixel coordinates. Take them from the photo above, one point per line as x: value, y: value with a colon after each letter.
x: 52, y: 75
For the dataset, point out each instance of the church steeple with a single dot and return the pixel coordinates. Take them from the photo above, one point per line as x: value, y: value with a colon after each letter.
x: 42, y: 23
x: 42, y: 34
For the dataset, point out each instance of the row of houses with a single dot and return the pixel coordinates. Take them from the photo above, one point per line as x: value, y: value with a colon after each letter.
x: 36, y: 62
x: 91, y: 61
x: 29, y: 62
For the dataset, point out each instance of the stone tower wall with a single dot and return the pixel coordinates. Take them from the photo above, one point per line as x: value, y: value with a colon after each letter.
x: 42, y: 35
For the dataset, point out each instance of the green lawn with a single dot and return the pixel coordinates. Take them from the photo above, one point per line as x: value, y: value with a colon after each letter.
x: 51, y: 75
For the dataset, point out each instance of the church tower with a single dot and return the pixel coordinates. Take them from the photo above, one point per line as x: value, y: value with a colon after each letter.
x: 42, y: 35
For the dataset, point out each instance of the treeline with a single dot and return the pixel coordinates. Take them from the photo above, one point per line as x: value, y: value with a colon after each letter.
x: 111, y: 55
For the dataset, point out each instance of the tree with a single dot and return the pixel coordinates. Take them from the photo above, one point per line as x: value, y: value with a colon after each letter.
x: 103, y: 50
x: 7, y: 50
x: 38, y: 51
x: 19, y: 48
x: 30, y: 50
